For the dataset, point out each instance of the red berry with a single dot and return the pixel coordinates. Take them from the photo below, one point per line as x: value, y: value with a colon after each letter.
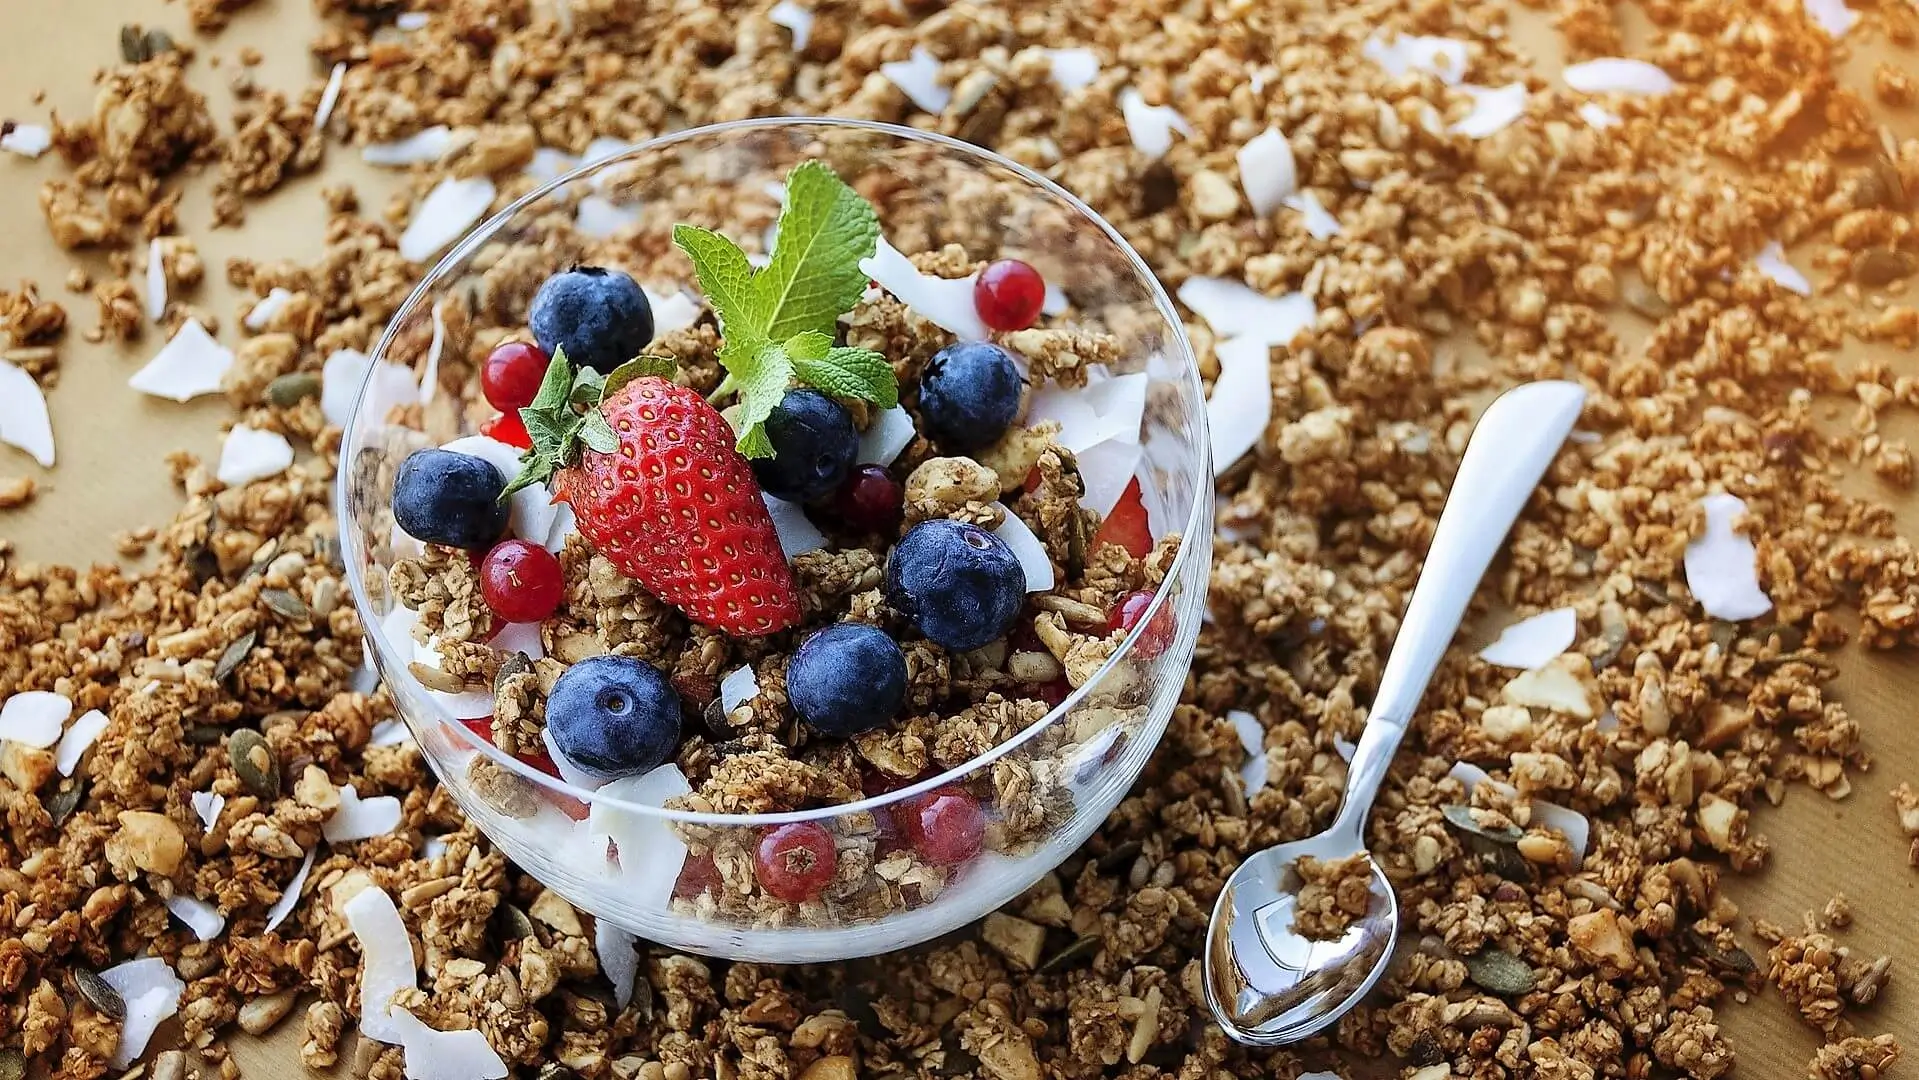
x: 1126, y: 525
x: 508, y: 428
x: 1009, y: 294
x: 699, y: 875
x: 945, y: 826
x: 521, y: 581
x: 1054, y: 692
x: 511, y: 375
x: 1130, y: 610
x: 795, y: 862
x: 870, y: 501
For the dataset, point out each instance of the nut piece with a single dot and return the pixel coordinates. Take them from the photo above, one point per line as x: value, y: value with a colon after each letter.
x: 316, y: 790
x: 1565, y: 685
x: 1603, y: 939
x: 831, y: 1067
x: 25, y: 767
x: 1016, y: 939
x: 954, y: 487
x: 146, y: 841
x: 257, y: 1017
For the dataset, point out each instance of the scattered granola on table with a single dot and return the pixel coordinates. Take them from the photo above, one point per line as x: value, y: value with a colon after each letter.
x: 1597, y: 235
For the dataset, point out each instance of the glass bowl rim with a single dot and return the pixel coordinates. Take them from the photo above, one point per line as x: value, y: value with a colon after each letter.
x: 1198, y: 524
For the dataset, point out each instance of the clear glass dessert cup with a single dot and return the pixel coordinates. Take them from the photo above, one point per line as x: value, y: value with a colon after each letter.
x: 685, y: 879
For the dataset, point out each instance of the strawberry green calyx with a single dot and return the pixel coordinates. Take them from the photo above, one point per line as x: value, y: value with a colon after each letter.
x: 777, y: 323
x: 565, y: 416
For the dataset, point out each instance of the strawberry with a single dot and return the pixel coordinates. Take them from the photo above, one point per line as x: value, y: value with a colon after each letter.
x: 1126, y: 525
x: 508, y: 429
x: 539, y: 759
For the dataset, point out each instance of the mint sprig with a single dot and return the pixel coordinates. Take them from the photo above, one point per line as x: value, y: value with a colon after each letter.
x: 777, y: 323
x: 565, y: 415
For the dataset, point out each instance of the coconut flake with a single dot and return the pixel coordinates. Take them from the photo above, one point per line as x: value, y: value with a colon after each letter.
x: 290, y: 896
x: 1405, y: 53
x: 739, y: 687
x: 1833, y: 16
x: 565, y: 524
x: 1151, y: 126
x: 340, y: 379
x: 263, y: 311
x: 918, y: 78
x: 329, y: 96
x: 1073, y: 69
x: 411, y: 20
x: 603, y: 147
x: 1234, y: 310
x: 392, y: 732
x: 27, y: 140
x: 1722, y: 567
x: 420, y: 148
x: 1320, y: 223
x: 1494, y: 110
x: 1771, y: 261
x: 945, y: 302
x: 386, y: 961
x: 433, y: 847
x: 651, y: 854
x: 1242, y: 402
x: 800, y: 21
x: 250, y: 454
x: 1267, y: 170
x: 798, y: 534
x: 619, y: 960
x: 430, y: 372
x: 445, y: 215
x: 886, y: 437
x: 1054, y: 302
x: 599, y: 217
x: 1107, y: 409
x: 1597, y: 118
x: 151, y: 992
x: 156, y: 280
x: 189, y: 365
x: 672, y: 310
x: 1253, y: 737
x: 1030, y: 552
x: 34, y: 717
x: 358, y: 819
x: 202, y: 918
x: 24, y: 420
x: 569, y: 772
x: 548, y: 165
x: 1532, y: 643
x: 1616, y: 74
x: 531, y: 509
x: 207, y: 806
x: 520, y: 637
x: 1572, y: 823
x: 79, y: 736
x: 446, y: 1055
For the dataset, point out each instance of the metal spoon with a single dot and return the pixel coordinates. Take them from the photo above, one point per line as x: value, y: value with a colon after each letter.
x: 1266, y: 984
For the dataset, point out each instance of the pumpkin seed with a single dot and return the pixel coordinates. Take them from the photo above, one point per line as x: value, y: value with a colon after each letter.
x: 204, y: 734
x: 1734, y: 961
x: 133, y: 44
x: 13, y: 1065
x: 286, y: 605
x: 1500, y: 972
x: 1120, y: 857
x: 517, y: 664
x: 158, y: 42
x: 956, y: 1060
x: 514, y: 924
x: 326, y: 551
x: 61, y: 804
x: 253, y: 762
x: 1723, y: 634
x: 204, y: 565
x: 292, y: 388
x: 1461, y: 817
x: 858, y: 1004
x: 1072, y: 955
x: 100, y: 995
x: 234, y: 654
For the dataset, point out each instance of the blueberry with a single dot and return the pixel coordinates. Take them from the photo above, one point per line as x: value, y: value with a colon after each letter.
x: 969, y: 393
x: 444, y: 497
x: 846, y: 679
x: 959, y: 584
x: 814, y: 443
x: 614, y: 716
x: 599, y: 316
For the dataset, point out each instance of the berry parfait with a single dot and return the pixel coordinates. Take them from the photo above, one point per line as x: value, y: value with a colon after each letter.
x: 785, y: 539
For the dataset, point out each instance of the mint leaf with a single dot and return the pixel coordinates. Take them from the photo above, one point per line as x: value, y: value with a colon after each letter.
x: 640, y: 367
x: 853, y: 373
x: 727, y: 279
x: 761, y: 387
x: 825, y: 230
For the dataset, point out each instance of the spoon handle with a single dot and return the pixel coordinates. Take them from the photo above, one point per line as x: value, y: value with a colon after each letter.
x: 1515, y: 440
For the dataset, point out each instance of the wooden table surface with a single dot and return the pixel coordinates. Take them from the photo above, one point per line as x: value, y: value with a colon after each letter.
x: 110, y: 477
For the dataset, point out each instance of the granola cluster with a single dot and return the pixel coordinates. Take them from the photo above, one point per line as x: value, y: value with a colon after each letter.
x: 1614, y: 248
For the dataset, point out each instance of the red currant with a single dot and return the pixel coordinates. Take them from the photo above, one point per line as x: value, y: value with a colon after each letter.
x: 521, y: 581
x: 508, y: 428
x: 1127, y: 614
x: 1009, y: 294
x: 946, y: 826
x: 870, y: 501
x: 796, y: 861
x: 512, y: 375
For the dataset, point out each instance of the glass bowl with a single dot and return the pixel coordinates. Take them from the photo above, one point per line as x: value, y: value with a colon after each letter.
x: 681, y: 878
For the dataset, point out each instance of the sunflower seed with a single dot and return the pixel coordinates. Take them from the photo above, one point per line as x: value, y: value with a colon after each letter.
x: 204, y: 734
x: 253, y: 762
x: 234, y: 654
x: 286, y: 605
x: 1640, y: 297
x: 61, y: 804
x: 1072, y: 955
x: 1499, y: 972
x: 292, y: 388
x: 100, y: 995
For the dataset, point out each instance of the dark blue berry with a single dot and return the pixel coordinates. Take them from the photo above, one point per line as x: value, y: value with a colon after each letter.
x: 814, y: 443
x: 444, y: 497
x: 846, y: 679
x: 969, y: 393
x: 960, y: 585
x: 599, y: 316
x: 614, y: 716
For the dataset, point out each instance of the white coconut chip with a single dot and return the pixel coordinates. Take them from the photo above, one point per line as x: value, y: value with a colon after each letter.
x: 1320, y: 222
x: 1406, y: 53
x: 249, y: 454
x: 918, y: 77
x: 27, y: 140
x: 1833, y: 16
x: 651, y: 854
x: 800, y: 21
x: 520, y: 637
x: 433, y: 847
x: 290, y: 896
x: 1242, y: 402
x: 672, y: 310
x: 1233, y: 310
x: 358, y: 819
x: 386, y: 961
x: 603, y: 147
x: 619, y: 960
x: 151, y: 992
x: 1151, y: 127
x: 329, y: 97
x: 739, y: 687
x: 1494, y: 110
x: 1321, y: 1076
x: 1054, y: 302
x: 392, y: 732
x: 268, y: 306
x: 1532, y: 643
x: 24, y: 420
x: 565, y: 523
x: 1111, y: 408
x: 1722, y: 567
x: 548, y: 165
x: 599, y: 217
x: 422, y: 147
x: 340, y: 379
x: 531, y: 509
x: 78, y: 739
x: 412, y: 20
x: 1073, y: 70
x: 207, y: 806
x: 1616, y: 74
x: 448, y: 211
x: 798, y: 534
x: 430, y: 372
x: 1345, y: 748
x: 156, y: 280
x: 1267, y: 170
x: 34, y: 717
x: 1596, y: 117
x: 1771, y: 261
x: 1253, y: 737
x: 1030, y: 552
x: 569, y: 772
x: 945, y: 302
x: 189, y: 365
x: 890, y: 433
x: 202, y: 918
